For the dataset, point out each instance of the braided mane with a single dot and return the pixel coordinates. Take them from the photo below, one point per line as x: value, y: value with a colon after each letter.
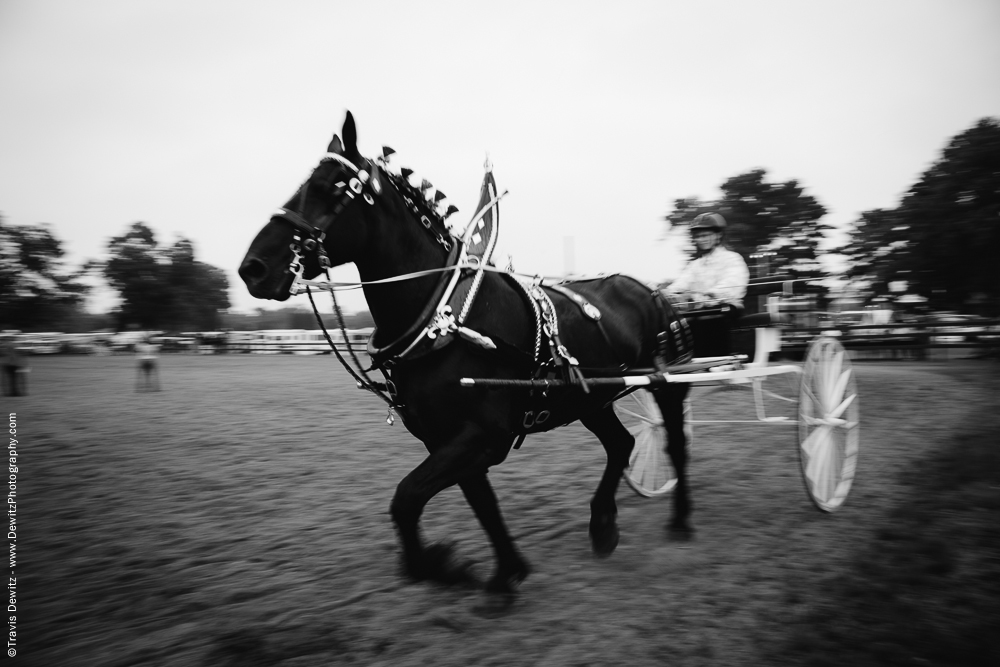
x: 415, y: 200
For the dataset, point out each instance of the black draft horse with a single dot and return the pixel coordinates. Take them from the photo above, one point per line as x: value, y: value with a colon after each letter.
x: 357, y: 211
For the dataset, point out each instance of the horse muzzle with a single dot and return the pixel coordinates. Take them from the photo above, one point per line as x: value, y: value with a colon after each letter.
x: 262, y: 281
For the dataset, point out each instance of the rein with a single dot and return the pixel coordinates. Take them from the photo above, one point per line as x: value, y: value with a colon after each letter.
x: 330, y: 286
x: 361, y: 375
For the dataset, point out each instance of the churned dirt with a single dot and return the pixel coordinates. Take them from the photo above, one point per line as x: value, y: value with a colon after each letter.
x: 239, y: 517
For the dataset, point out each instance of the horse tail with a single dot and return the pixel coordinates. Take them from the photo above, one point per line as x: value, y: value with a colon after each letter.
x: 674, y: 340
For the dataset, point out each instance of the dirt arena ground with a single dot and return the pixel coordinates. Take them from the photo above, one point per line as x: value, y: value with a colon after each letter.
x: 239, y: 517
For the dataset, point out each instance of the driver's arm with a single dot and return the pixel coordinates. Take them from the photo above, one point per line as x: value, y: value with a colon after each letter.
x: 731, y: 282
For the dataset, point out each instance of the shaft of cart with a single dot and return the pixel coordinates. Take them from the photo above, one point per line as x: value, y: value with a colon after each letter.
x: 701, y: 371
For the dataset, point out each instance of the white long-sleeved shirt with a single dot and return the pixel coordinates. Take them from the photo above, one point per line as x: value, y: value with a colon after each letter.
x: 719, y: 274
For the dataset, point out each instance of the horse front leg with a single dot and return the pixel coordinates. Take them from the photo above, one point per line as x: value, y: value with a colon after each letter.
x: 461, y: 459
x: 618, y: 444
x: 437, y: 472
x: 512, y: 569
x: 671, y: 402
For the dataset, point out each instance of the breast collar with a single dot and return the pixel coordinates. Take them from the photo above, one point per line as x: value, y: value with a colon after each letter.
x: 448, y: 308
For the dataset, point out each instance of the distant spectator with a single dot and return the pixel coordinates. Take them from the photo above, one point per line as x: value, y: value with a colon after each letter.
x: 148, y: 377
x: 14, y: 368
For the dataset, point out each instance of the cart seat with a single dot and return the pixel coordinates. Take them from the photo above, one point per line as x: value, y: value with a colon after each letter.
x: 726, y: 330
x: 711, y: 328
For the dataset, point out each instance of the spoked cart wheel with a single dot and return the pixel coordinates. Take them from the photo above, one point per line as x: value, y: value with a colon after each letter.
x: 828, y: 423
x: 649, y: 470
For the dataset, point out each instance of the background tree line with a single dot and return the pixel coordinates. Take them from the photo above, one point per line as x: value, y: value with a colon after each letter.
x: 161, y: 287
x: 943, y: 240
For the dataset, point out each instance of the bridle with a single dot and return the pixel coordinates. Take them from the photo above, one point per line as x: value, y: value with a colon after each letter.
x: 308, y: 237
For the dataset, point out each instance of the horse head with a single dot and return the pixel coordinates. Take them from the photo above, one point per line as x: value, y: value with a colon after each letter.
x: 348, y: 210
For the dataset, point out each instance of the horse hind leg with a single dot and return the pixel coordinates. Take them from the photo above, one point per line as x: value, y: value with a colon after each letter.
x: 618, y: 444
x: 671, y: 402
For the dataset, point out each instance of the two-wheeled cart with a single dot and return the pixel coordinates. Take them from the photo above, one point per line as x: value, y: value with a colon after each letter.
x: 827, y: 412
x: 827, y: 423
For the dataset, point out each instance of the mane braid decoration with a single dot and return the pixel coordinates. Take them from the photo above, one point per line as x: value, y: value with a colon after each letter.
x: 428, y: 216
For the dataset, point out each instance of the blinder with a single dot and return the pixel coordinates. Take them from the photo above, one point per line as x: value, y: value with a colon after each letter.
x: 308, y: 237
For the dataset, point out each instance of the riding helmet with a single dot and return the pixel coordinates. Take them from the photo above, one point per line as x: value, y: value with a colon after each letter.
x: 712, y: 221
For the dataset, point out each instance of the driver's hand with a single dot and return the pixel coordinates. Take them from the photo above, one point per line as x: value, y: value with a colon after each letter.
x: 682, y: 301
x: 698, y: 300
x: 708, y: 301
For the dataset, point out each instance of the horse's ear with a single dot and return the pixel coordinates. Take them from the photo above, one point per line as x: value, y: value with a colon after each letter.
x: 335, y: 146
x: 350, y: 136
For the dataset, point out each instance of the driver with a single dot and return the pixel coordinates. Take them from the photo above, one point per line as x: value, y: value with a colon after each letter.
x: 716, y: 276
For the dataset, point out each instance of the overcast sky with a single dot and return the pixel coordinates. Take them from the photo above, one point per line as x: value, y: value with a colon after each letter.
x: 200, y: 117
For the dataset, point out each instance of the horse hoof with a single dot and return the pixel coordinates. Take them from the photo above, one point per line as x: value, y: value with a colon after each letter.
x: 437, y: 563
x: 605, y: 545
x: 604, y: 535
x: 495, y: 606
x: 680, y: 530
x: 506, y: 582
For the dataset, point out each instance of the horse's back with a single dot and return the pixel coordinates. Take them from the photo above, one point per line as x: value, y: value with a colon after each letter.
x: 631, y: 315
x: 624, y: 335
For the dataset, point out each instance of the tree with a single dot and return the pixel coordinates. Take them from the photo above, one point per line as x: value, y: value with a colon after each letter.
x: 164, y: 287
x: 765, y: 216
x: 943, y: 239
x: 36, y: 291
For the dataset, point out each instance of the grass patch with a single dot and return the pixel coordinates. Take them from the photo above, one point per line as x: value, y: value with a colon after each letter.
x: 926, y: 589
